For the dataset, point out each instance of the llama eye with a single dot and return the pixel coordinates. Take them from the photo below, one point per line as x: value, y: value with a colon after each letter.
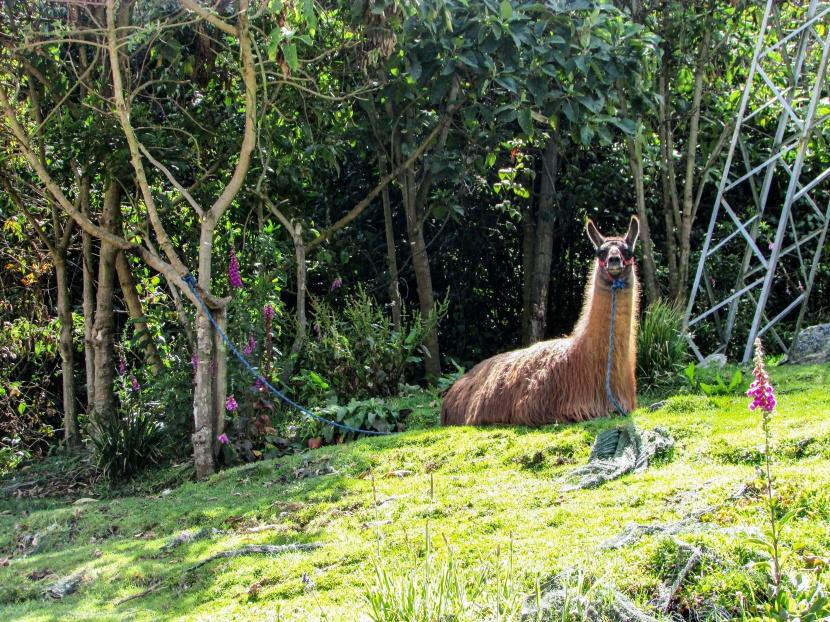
x: 627, y: 253
x: 602, y: 254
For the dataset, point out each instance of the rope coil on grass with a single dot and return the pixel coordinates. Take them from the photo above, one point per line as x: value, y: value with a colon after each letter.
x: 192, y: 284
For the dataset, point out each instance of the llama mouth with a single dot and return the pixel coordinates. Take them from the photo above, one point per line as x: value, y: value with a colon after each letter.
x: 614, y: 270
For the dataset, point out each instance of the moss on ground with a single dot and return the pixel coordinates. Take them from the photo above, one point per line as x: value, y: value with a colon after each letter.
x: 491, y: 487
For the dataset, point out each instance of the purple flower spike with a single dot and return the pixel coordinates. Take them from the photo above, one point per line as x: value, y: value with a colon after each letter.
x: 134, y: 382
x: 195, y: 361
x: 268, y: 312
x: 337, y: 284
x: 761, y: 390
x: 231, y: 403
x: 122, y: 369
x: 233, y: 272
x: 248, y: 349
x: 223, y: 438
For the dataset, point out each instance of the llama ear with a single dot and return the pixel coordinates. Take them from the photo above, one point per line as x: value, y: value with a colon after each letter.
x: 594, y: 234
x: 633, y: 232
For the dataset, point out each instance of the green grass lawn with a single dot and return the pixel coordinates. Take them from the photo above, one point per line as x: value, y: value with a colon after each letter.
x: 496, y: 498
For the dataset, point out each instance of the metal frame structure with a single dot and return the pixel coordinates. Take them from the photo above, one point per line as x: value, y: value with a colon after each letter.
x: 797, y: 55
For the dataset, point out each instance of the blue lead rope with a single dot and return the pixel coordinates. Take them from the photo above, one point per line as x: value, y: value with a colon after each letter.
x: 192, y: 283
x: 617, y: 284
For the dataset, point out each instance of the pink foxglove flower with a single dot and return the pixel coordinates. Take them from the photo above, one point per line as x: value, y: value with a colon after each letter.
x: 231, y: 403
x: 233, y: 272
x: 268, y: 312
x: 336, y: 284
x: 248, y: 349
x: 761, y: 390
x: 223, y: 438
x: 134, y: 383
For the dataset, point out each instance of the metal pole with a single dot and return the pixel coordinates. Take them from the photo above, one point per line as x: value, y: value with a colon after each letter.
x: 725, y: 178
x: 788, y: 201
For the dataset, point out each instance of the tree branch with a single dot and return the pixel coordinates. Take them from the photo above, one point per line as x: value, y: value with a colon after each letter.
x: 169, y: 175
x: 249, y: 137
x: 30, y: 217
x: 357, y: 209
x: 124, y: 118
x: 206, y: 15
x: 154, y: 261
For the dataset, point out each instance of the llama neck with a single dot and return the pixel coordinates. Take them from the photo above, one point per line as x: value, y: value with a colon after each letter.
x: 592, y: 331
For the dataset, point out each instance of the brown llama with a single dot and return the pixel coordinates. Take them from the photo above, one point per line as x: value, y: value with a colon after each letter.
x: 563, y: 380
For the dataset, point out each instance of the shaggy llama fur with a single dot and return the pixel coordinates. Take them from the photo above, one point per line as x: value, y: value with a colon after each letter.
x: 562, y: 380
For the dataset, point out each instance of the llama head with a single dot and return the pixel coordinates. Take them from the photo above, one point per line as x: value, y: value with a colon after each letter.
x: 615, y: 255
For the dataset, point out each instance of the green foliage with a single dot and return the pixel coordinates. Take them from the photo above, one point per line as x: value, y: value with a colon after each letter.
x: 11, y: 455
x: 372, y: 414
x: 28, y: 360
x: 447, y: 380
x: 662, y: 349
x: 356, y: 353
x: 127, y: 445
x: 801, y: 597
x: 737, y: 385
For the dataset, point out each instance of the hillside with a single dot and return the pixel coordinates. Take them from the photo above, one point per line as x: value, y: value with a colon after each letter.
x: 496, y: 500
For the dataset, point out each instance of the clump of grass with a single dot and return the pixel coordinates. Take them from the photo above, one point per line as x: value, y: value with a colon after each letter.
x: 128, y: 445
x: 438, y: 588
x: 687, y: 405
x: 662, y: 349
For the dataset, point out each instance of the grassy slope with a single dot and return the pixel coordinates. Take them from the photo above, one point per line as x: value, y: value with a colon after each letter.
x: 489, y: 483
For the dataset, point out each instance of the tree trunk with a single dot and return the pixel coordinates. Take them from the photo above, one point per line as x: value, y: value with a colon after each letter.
x: 295, y: 229
x: 426, y: 297
x: 635, y: 158
x: 58, y: 253
x: 420, y: 263
x: 670, y: 208
x: 220, y: 379
x: 543, y: 243
x: 391, y: 258
x: 72, y: 432
x: 528, y: 243
x: 635, y: 147
x: 203, y: 438
x: 89, y: 319
x: 684, y: 242
x: 103, y: 330
x: 133, y: 302
x: 204, y: 396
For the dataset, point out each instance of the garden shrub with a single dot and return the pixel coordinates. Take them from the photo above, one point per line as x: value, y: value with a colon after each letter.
x: 358, y: 352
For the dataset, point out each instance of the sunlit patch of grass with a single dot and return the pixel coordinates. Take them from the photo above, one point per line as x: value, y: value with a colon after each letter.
x: 486, y: 482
